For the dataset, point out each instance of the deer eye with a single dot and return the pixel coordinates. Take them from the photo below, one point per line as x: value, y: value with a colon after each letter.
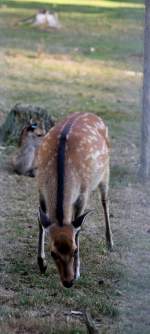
x: 54, y: 256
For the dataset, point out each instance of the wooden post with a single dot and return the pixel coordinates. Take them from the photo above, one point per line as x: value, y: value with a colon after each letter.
x: 144, y: 171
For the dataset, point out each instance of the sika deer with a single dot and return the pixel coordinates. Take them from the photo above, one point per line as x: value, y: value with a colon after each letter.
x: 29, y: 141
x: 73, y: 160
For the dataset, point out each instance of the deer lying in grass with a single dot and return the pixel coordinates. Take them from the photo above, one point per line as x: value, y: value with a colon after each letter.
x: 73, y: 160
x: 30, y: 139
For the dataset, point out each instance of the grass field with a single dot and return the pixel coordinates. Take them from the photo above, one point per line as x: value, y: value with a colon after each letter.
x: 93, y: 63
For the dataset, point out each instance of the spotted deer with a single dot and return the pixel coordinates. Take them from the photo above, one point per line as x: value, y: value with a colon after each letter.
x: 73, y: 160
x: 29, y: 141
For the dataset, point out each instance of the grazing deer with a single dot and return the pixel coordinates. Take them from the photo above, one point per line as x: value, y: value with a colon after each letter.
x: 29, y: 141
x: 73, y: 160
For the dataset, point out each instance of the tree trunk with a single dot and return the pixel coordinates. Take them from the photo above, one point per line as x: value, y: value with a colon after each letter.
x: 144, y: 171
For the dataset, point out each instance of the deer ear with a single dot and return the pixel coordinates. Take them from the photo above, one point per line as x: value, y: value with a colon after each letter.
x: 78, y: 221
x: 44, y: 220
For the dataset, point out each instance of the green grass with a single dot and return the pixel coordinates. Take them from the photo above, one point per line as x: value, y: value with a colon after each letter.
x: 58, y: 70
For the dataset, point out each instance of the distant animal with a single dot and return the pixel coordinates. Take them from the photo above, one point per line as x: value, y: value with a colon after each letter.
x: 30, y: 138
x: 73, y: 160
x: 44, y: 17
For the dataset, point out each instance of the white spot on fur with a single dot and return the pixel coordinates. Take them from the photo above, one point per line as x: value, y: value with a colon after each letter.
x: 85, y: 130
x: 78, y: 150
x: 100, y: 125
x: 89, y: 127
x: 95, y: 155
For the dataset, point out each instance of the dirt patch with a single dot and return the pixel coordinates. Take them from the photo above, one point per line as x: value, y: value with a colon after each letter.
x: 134, y: 241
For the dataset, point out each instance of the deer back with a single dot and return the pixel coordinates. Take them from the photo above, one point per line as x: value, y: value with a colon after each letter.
x: 72, y: 159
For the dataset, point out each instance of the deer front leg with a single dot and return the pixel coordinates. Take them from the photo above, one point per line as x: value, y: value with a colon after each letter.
x: 105, y: 203
x: 77, y: 258
x: 41, y: 252
x: 79, y: 210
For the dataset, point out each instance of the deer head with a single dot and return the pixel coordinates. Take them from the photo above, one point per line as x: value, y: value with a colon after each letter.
x: 63, y: 247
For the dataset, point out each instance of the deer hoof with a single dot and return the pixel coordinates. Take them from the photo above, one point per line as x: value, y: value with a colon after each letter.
x: 110, y: 246
x: 42, y: 265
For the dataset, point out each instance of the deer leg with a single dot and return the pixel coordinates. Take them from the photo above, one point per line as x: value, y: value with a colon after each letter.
x: 41, y: 252
x: 77, y: 258
x: 79, y: 209
x: 105, y: 203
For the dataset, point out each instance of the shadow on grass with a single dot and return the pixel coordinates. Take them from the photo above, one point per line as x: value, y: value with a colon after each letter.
x: 127, y: 1
x: 70, y: 8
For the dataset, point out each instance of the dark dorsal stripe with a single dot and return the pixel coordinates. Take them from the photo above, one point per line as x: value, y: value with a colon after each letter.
x: 61, y: 170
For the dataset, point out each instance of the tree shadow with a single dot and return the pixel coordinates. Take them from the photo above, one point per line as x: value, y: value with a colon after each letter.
x: 140, y: 2
x: 76, y: 8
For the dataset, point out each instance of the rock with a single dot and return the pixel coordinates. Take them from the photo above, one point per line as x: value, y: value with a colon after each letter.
x: 18, y: 117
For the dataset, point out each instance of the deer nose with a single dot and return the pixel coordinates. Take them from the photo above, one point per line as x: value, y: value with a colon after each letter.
x: 67, y: 284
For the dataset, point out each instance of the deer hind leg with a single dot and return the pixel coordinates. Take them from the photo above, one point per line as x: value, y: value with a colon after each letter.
x: 105, y: 203
x: 79, y: 210
x: 41, y: 252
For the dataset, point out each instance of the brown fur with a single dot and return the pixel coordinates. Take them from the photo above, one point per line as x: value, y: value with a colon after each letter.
x: 86, y: 167
x: 24, y: 161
